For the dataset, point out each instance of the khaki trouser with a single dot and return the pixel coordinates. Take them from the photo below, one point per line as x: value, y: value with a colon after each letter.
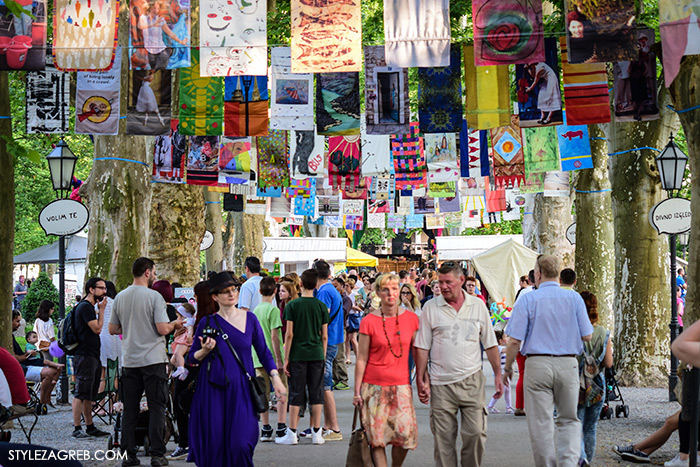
x: 340, y: 368
x: 553, y: 382
x: 466, y: 397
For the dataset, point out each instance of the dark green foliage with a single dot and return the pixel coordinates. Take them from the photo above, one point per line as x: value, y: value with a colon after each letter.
x: 41, y: 289
x: 504, y: 228
x: 376, y: 236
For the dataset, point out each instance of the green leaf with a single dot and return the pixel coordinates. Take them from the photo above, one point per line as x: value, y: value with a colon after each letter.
x: 17, y: 9
x: 34, y: 156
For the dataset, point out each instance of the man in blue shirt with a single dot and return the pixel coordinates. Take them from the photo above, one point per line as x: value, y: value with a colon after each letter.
x: 551, y: 323
x: 680, y: 282
x: 327, y: 293
x: 249, y: 296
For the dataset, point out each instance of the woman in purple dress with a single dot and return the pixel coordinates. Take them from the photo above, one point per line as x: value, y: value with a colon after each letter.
x: 223, y: 422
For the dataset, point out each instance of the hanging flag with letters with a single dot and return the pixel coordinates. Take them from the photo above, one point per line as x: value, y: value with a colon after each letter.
x: 97, y: 100
x: 48, y: 101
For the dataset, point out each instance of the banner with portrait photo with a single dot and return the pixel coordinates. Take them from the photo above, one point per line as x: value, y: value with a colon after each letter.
x: 338, y: 104
x: 170, y: 156
x: 273, y: 159
x: 97, y: 100
x: 292, y: 106
x: 48, y: 101
x: 538, y: 89
x: 417, y: 33
x: 159, y: 34
x: 386, y: 95
x: 233, y: 38
x: 679, y: 24
x: 440, y: 96
x: 203, y: 161
x: 488, y: 96
x: 635, y: 83
x: 235, y: 162
x: 24, y: 36
x: 201, y: 101
x: 307, y: 151
x: 441, y: 157
x: 245, y: 106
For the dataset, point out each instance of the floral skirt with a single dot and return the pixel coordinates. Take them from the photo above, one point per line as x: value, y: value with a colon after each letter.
x: 388, y: 415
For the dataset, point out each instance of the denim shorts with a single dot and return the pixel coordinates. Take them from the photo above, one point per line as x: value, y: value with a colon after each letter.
x: 331, y: 352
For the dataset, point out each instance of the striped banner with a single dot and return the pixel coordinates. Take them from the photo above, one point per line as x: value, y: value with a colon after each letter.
x: 585, y: 91
x: 488, y: 95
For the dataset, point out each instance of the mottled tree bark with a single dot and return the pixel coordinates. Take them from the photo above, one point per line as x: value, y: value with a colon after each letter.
x: 248, y: 230
x: 595, y: 232
x: 177, y: 228
x: 642, y: 300
x: 214, y: 224
x: 227, y: 242
x: 552, y: 216
x: 7, y: 213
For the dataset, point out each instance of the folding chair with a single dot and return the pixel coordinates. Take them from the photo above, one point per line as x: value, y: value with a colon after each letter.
x: 32, y: 406
x: 108, y: 396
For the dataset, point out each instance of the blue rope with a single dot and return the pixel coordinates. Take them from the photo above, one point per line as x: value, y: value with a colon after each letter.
x: 212, y: 202
x: 684, y: 110
x: 593, y: 191
x: 632, y: 150
x: 120, y: 159
x: 597, y: 137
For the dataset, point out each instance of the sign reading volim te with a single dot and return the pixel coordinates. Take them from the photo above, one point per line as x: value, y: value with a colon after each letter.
x: 671, y: 216
x: 63, y: 217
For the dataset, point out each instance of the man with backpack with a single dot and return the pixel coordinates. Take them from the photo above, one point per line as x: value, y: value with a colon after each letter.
x: 87, y: 368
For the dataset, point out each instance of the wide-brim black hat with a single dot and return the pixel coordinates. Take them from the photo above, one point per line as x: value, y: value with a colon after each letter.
x: 220, y: 281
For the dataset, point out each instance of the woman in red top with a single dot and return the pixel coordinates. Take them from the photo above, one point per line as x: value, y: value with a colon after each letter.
x: 382, y: 380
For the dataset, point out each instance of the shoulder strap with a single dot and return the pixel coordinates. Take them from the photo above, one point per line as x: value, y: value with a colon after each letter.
x: 224, y: 336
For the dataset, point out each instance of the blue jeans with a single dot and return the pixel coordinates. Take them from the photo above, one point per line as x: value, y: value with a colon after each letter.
x: 589, y: 417
x: 331, y: 352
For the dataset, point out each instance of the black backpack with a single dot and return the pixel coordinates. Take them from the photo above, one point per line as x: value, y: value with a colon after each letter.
x: 67, y: 335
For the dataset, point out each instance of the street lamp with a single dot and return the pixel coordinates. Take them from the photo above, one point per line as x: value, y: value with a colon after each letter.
x: 61, y: 165
x: 684, y: 240
x: 671, y: 164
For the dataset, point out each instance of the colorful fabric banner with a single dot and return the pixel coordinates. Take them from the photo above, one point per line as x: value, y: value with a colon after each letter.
x: 434, y: 221
x: 203, y: 160
x: 600, y: 31
x: 307, y: 150
x: 474, y: 152
x: 495, y: 199
x: 381, y: 206
x: 338, y: 104
x: 306, y: 206
x: 441, y: 156
x: 541, y: 150
x: 488, y: 96
x: 48, y: 101
x: 679, y: 23
x: 585, y: 91
x: 292, y: 94
x: 507, y: 31
x: 395, y: 222
x: 424, y: 205
x: 410, y: 167
x: 235, y: 164
x: 382, y: 187
x: 326, y: 36
x: 440, y: 96
x: 635, y: 83
x: 269, y: 192
x: 233, y: 38
x: 77, y: 24
x: 442, y: 189
x: 508, y: 157
x: 159, y: 34
x: 574, y: 147
x: 169, y: 156
x: 386, y: 95
x: 361, y: 191
x: 344, y: 161
x: 538, y: 89
x: 273, y: 164
x: 148, y: 109
x: 534, y: 183
x: 417, y: 33
x: 450, y: 204
x: 453, y: 220
x: 245, y: 106
x: 24, y: 37
x: 201, y: 101
x: 97, y: 100
x: 556, y: 184
x: 415, y: 221
x: 300, y: 188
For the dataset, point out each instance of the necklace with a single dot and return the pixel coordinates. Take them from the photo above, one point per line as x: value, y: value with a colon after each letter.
x: 398, y: 333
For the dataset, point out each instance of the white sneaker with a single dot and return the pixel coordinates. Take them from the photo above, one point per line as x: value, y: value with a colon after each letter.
x: 676, y: 462
x: 289, y: 438
x: 317, y: 437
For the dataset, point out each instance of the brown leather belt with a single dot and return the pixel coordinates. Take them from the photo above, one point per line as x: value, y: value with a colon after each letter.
x: 548, y: 355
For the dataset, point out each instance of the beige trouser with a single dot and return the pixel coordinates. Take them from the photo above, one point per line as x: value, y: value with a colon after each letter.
x: 466, y: 397
x: 552, y: 382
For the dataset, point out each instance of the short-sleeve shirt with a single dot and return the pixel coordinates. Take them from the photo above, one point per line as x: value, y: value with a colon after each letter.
x: 151, y: 29
x: 21, y: 288
x: 383, y: 368
x: 137, y: 309
x: 269, y: 319
x: 679, y: 282
x: 334, y: 303
x: 550, y: 320
x: 250, y: 296
x: 88, y: 342
x: 44, y: 330
x: 308, y: 315
x: 453, y: 338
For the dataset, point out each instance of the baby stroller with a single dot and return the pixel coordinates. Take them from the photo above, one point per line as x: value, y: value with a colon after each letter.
x: 613, y: 394
x: 142, y: 426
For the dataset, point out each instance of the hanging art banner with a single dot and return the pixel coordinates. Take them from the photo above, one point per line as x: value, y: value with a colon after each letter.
x: 48, y: 101
x: 635, y: 83
x: 415, y: 221
x: 23, y: 37
x: 450, y: 204
x: 417, y: 33
x: 382, y: 187
x: 97, y: 99
x: 307, y: 150
x: 679, y: 24
x: 301, y: 188
x: 386, y: 95
x: 453, y: 220
x: 440, y: 96
x: 541, y: 150
x: 306, y: 206
x: 601, y: 31
x: 292, y: 94
x: 556, y: 184
x: 159, y: 34
x: 507, y: 32
x: 328, y: 205
x: 376, y: 221
x: 376, y: 155
x: 169, y: 156
x: 245, y: 106
x: 360, y: 191
x: 84, y: 34
x: 148, y: 109
x: 585, y: 91
x: 442, y: 189
x: 233, y: 38
x: 235, y: 164
x: 488, y: 96
x: 273, y: 164
x: 441, y: 155
x: 203, y: 161
x: 508, y: 157
x: 201, y: 101
x: 410, y: 167
x: 280, y: 207
x: 434, y: 221
x: 326, y: 36
x: 474, y: 152
x: 574, y: 147
x: 338, y: 104
x: 534, y: 183
x: 538, y: 89
x: 395, y: 222
x: 344, y: 161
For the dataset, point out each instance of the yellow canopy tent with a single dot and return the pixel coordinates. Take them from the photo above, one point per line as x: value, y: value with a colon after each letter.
x: 357, y: 258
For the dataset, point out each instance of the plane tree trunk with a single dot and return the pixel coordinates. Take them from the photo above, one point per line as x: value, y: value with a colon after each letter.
x: 214, y: 224
x: 7, y: 213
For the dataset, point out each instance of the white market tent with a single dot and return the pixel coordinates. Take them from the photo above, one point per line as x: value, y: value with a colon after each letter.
x: 465, y: 247
x: 296, y: 254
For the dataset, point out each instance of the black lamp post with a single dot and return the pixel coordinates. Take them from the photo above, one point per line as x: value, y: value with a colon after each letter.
x: 61, y: 165
x: 671, y: 163
x: 684, y: 240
